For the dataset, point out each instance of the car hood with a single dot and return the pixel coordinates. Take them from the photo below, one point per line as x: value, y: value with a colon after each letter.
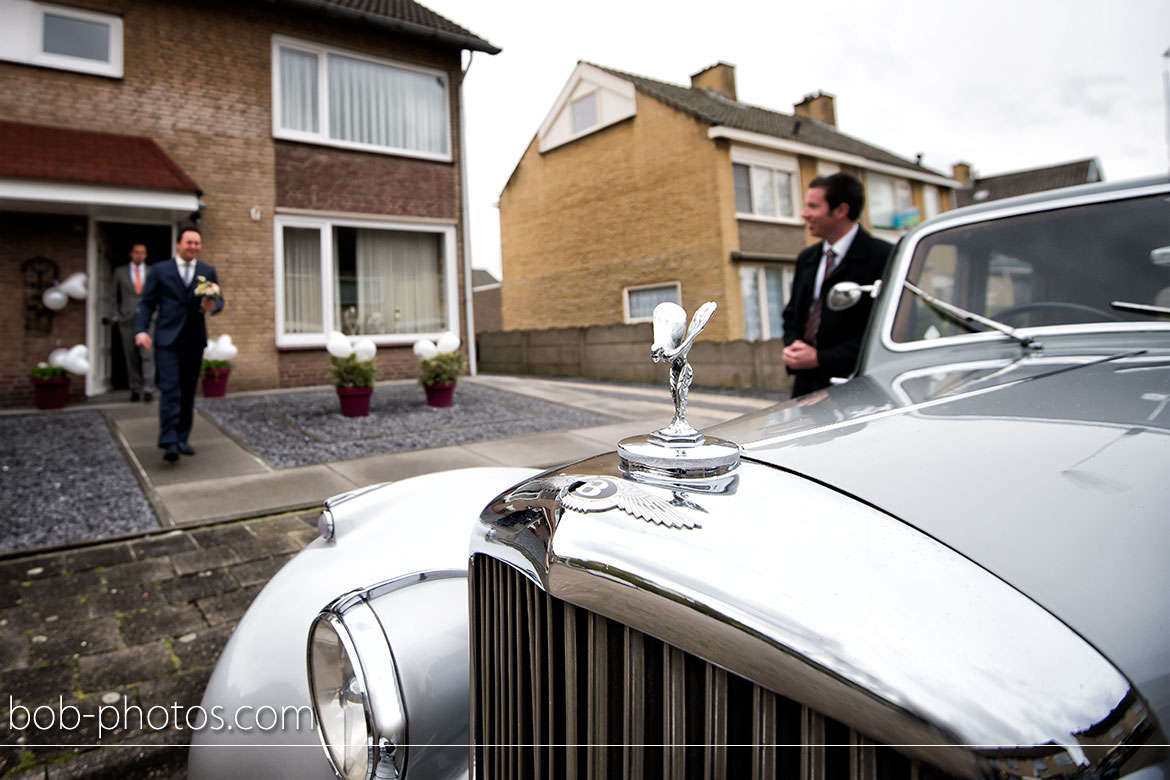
x: 1050, y: 472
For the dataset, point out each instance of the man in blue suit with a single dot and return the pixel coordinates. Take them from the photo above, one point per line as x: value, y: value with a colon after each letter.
x: 180, y: 335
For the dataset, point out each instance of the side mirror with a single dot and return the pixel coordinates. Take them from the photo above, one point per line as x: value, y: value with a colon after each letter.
x: 845, y: 295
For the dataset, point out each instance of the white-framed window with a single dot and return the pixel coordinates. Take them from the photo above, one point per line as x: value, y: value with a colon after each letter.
x: 765, y: 291
x: 767, y: 185
x: 585, y: 113
x: 889, y: 200
x: 55, y: 36
x: 639, y: 301
x: 393, y: 282
x: 338, y: 98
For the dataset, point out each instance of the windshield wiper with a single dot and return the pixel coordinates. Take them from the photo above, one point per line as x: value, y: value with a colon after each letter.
x: 968, y: 318
x: 1141, y: 308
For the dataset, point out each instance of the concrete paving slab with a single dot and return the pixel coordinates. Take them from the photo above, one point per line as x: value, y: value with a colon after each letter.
x: 401, y: 465
x: 541, y: 450
x: 232, y: 499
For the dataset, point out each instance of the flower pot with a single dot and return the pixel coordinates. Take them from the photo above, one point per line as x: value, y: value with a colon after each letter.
x: 215, y: 382
x: 51, y: 392
x: 440, y: 393
x: 355, y: 401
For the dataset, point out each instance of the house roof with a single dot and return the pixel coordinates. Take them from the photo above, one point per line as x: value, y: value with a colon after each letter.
x: 43, y: 153
x: 717, y: 110
x: 1051, y: 177
x: 404, y: 16
x: 482, y: 278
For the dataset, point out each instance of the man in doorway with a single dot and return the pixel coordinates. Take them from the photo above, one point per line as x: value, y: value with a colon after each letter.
x: 821, y: 343
x: 180, y: 337
x: 129, y: 282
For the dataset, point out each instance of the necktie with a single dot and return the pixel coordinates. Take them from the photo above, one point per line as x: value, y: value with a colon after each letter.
x: 137, y: 278
x: 187, y: 274
x: 814, y: 315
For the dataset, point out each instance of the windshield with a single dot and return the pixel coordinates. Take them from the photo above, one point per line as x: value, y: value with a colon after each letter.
x: 1049, y: 268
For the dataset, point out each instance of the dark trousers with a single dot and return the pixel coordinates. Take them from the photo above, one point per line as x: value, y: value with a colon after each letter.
x: 179, y: 367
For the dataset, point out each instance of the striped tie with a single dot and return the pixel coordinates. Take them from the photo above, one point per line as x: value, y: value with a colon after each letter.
x: 814, y: 314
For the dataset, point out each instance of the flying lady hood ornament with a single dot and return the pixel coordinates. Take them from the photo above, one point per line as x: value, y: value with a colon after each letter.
x: 678, y: 450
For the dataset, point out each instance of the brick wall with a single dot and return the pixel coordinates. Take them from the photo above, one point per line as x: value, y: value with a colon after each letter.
x: 198, y: 80
x: 305, y: 367
x: 637, y: 203
x: 61, y: 239
x: 622, y: 353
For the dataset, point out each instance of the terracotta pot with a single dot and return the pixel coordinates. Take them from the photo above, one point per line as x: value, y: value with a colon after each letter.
x: 355, y: 401
x: 215, y: 382
x: 51, y: 392
x: 440, y: 393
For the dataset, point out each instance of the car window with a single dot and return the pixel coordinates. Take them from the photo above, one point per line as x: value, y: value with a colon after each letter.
x: 1047, y: 268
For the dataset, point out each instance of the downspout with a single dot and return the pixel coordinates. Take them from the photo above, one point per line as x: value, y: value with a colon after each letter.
x: 468, y: 293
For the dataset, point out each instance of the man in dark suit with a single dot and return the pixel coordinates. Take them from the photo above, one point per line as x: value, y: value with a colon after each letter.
x: 821, y: 343
x: 180, y: 336
x: 129, y: 282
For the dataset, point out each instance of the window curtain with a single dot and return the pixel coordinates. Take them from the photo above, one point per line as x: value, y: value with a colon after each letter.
x: 302, y: 281
x: 642, y: 302
x: 749, y: 286
x: 399, y: 282
x: 298, y: 91
x: 376, y: 104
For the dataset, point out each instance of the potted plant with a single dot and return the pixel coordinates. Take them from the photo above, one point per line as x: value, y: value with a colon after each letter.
x: 354, y: 373
x: 217, y: 366
x: 50, y: 386
x: 441, y: 366
x: 51, y: 380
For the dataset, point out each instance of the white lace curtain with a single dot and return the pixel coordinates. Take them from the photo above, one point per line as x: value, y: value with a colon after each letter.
x: 298, y: 93
x: 376, y: 104
x: 399, y: 282
x: 302, y: 281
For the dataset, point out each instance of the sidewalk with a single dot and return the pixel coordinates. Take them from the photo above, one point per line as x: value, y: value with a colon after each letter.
x: 224, y: 481
x: 142, y: 619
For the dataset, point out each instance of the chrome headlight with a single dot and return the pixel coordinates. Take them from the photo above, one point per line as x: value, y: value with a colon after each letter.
x: 354, y: 688
x: 376, y: 654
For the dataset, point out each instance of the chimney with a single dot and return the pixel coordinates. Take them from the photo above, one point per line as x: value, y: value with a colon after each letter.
x: 819, y: 105
x: 962, y: 172
x: 720, y: 78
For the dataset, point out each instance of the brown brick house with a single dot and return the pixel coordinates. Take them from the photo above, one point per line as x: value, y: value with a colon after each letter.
x: 317, y: 142
x: 636, y: 191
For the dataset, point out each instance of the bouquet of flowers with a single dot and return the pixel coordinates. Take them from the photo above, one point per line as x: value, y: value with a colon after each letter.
x: 206, y: 289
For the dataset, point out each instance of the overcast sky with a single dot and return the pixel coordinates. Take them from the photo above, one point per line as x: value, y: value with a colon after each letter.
x: 1002, y: 84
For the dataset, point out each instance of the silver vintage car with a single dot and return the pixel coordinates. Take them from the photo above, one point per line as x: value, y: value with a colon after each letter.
x: 956, y: 564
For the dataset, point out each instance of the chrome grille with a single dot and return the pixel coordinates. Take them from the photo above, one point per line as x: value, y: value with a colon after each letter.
x: 560, y: 692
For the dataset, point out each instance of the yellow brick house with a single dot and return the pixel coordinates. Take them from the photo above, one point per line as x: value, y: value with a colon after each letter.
x: 635, y: 191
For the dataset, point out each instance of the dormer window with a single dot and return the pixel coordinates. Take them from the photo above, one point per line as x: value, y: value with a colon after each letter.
x: 585, y: 113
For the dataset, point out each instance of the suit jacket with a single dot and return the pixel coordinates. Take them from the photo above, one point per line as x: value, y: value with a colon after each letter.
x: 839, y: 336
x: 177, y: 304
x: 125, y: 299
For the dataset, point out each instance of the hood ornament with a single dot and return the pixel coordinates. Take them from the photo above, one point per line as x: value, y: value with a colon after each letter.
x: 678, y: 450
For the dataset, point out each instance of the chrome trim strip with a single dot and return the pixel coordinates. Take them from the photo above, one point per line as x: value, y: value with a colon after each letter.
x: 808, y: 608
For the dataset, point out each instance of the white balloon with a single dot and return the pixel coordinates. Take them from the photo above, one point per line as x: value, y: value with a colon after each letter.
x: 425, y: 349
x: 448, y: 342
x: 76, y: 286
x: 57, y: 356
x: 76, y: 365
x: 79, y: 352
x: 227, y: 352
x: 338, y: 345
x: 224, y: 340
x: 220, y: 349
x: 55, y: 299
x: 364, y: 349
x: 209, y: 350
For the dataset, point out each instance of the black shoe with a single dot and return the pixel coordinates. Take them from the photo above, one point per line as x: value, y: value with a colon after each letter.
x: 133, y: 396
x: 185, y: 448
x: 147, y: 397
x: 172, y: 453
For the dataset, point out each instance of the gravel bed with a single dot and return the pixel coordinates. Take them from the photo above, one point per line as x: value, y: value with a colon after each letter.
x: 306, y: 428
x: 65, y: 480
